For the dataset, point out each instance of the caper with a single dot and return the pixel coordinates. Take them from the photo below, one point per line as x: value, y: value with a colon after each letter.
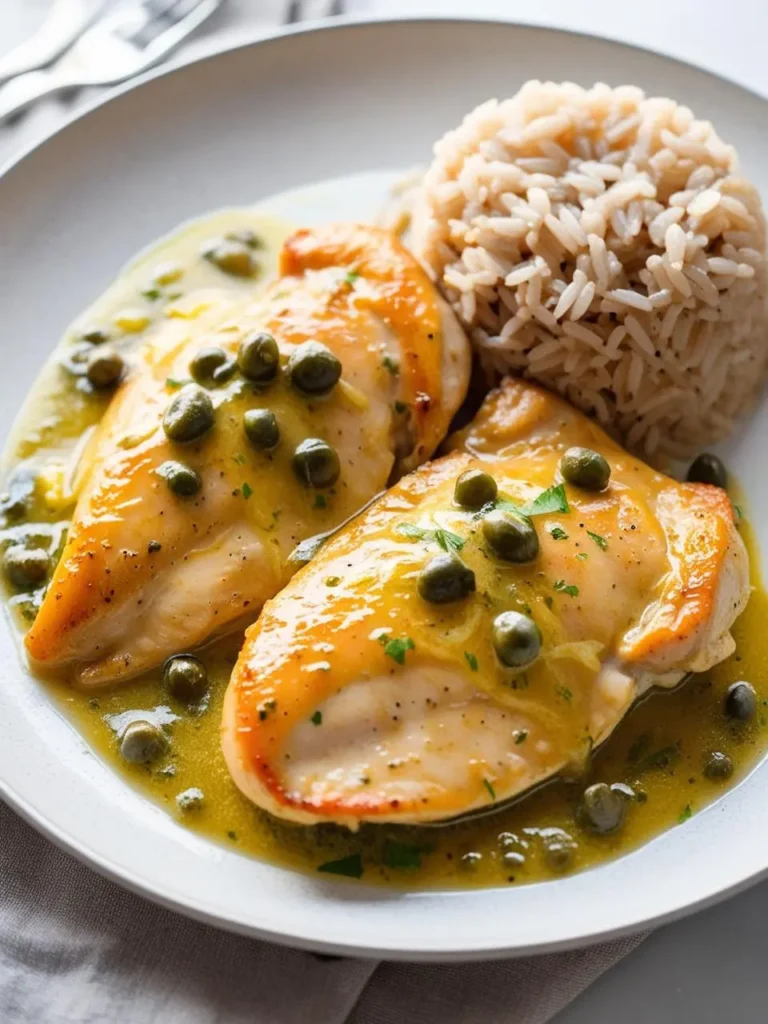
x: 191, y: 799
x: 185, y: 678
x: 513, y: 859
x: 602, y: 808
x: 511, y: 537
x: 95, y: 335
x: 445, y: 578
x: 741, y: 701
x: 15, y: 504
x: 261, y: 428
x: 105, y: 368
x: 718, y: 766
x: 142, y: 742
x: 258, y: 357
x: 75, y: 359
x: 471, y: 861
x: 225, y: 372
x: 558, y: 851
x: 206, y: 362
x: 585, y: 468
x: 232, y: 257
x: 182, y: 480
x: 516, y: 639
x: 189, y: 415
x: 708, y: 469
x: 313, y: 368
x: 316, y: 463
x: 247, y: 237
x: 475, y: 488
x: 26, y: 567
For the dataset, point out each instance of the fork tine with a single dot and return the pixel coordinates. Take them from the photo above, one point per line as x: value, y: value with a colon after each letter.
x: 293, y: 14
x: 336, y: 9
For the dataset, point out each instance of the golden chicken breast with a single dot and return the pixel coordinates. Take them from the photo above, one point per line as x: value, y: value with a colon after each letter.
x: 483, y: 625
x: 243, y: 428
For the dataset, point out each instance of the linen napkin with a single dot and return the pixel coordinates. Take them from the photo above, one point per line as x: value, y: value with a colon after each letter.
x: 77, y: 949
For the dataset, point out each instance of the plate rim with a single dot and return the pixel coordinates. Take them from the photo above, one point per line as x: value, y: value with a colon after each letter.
x: 188, y: 905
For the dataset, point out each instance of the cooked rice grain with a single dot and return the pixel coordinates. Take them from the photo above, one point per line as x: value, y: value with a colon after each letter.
x: 605, y: 245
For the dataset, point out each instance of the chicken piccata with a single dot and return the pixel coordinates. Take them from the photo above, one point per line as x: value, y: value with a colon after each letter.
x: 482, y: 626
x: 239, y: 430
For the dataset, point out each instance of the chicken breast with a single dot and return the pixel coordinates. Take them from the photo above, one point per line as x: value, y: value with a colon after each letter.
x: 356, y: 699
x: 147, y: 572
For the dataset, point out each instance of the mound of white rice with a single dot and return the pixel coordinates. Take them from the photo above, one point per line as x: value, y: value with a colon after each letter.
x: 605, y: 245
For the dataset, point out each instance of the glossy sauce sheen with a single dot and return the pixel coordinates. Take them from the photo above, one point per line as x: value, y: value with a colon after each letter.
x: 658, y: 749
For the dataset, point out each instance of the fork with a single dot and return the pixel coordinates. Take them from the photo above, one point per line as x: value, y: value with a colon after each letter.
x: 298, y: 11
x: 66, y: 20
x: 117, y: 47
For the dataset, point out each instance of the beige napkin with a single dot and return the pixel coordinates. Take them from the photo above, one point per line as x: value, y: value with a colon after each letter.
x: 76, y: 949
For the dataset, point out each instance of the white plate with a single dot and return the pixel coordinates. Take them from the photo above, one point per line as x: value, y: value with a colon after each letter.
x: 231, y: 129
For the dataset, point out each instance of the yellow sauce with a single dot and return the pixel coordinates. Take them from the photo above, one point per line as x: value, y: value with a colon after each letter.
x: 658, y: 750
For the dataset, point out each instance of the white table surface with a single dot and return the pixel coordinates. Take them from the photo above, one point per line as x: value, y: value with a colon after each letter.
x: 710, y: 968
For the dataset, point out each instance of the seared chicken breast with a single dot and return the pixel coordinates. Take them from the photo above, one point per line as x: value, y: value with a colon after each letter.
x: 159, y: 558
x: 440, y: 656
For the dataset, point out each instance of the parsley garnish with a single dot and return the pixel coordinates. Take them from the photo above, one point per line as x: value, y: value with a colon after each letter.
x: 471, y: 660
x: 491, y: 790
x: 174, y: 382
x: 247, y: 490
x: 445, y: 539
x: 566, y: 588
x: 684, y: 814
x: 739, y: 511
x: 151, y: 293
x: 396, y: 647
x: 548, y: 601
x: 582, y: 556
x: 660, y: 758
x: 601, y: 542
x: 564, y: 692
x: 351, y: 276
x: 552, y: 500
x: 401, y: 855
x: 350, y: 867
x: 239, y: 459
x: 317, y: 718
x: 556, y: 533
x: 390, y: 365
x: 320, y: 501
x: 521, y: 736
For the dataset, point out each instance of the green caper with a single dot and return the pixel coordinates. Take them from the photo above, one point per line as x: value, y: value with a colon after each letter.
x: 513, y: 859
x: 602, y: 808
x: 516, y: 639
x: 718, y: 766
x: 142, y: 742
x: 445, y: 578
x: 247, y: 237
x: 258, y: 357
x: 261, y: 428
x: 741, y: 701
x: 95, y: 335
x: 708, y: 469
x: 313, y: 368
x: 475, y: 488
x: 189, y: 415
x: 559, y: 850
x: 185, y: 678
x: 316, y: 463
x: 191, y: 799
x: 471, y: 861
x: 204, y: 364
x: 26, y: 567
x: 15, y: 503
x: 104, y: 369
x: 511, y: 537
x: 232, y: 257
x: 585, y: 468
x: 182, y: 480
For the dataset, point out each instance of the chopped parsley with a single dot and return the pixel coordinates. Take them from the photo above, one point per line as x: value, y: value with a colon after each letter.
x: 521, y: 735
x: 351, y: 276
x: 247, y: 490
x: 350, y: 867
x: 556, y: 533
x: 601, y: 542
x: 491, y: 790
x: 582, y: 556
x: 317, y: 718
x: 174, y: 382
x: 548, y: 601
x: 684, y: 814
x: 320, y: 501
x: 566, y: 588
x: 448, y: 541
x: 239, y: 459
x: 396, y: 647
x: 445, y: 539
x: 391, y: 365
x: 564, y: 692
x: 401, y: 855
x: 152, y: 294
x: 471, y: 660
x: 659, y: 758
x: 552, y: 500
x: 739, y: 511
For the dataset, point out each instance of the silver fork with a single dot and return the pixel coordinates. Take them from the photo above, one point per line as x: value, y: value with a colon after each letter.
x: 66, y: 20
x: 299, y: 10
x: 122, y: 44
